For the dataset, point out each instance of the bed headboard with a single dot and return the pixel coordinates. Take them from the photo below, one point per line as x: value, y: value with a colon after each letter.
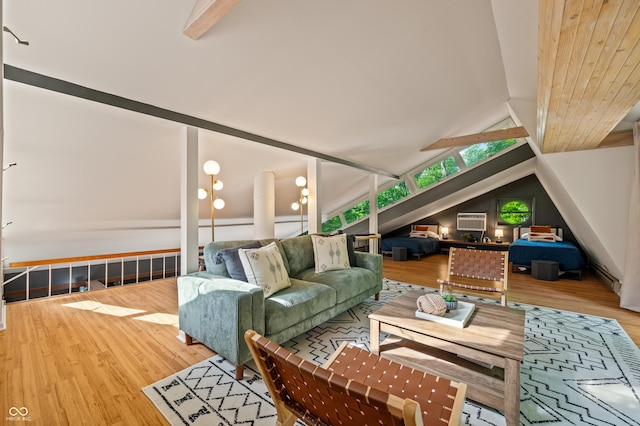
x: 518, y: 231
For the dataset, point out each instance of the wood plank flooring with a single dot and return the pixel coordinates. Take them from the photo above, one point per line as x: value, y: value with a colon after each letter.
x: 83, y: 358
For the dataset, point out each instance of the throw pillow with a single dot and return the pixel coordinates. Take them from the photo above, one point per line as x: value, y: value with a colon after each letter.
x: 330, y: 253
x: 420, y: 228
x: 264, y: 267
x: 539, y: 228
x: 232, y: 260
x: 432, y: 234
x: 351, y: 240
x: 542, y: 236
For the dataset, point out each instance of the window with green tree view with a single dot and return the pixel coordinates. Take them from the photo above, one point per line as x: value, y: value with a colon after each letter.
x: 332, y: 224
x: 436, y: 172
x: 358, y: 212
x: 440, y: 169
x: 514, y: 212
x: 481, y: 151
x: 393, y: 194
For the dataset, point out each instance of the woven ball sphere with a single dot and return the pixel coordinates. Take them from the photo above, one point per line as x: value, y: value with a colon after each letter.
x: 432, y: 304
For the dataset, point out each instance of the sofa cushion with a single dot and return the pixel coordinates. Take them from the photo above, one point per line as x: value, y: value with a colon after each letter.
x: 295, y: 304
x: 330, y: 253
x: 264, y: 267
x: 346, y: 282
x: 299, y: 253
x: 211, y: 250
x: 232, y: 261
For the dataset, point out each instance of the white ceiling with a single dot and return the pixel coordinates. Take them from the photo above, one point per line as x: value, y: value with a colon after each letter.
x: 368, y: 81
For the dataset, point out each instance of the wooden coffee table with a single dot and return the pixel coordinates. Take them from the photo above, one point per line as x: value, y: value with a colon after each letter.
x: 485, y: 355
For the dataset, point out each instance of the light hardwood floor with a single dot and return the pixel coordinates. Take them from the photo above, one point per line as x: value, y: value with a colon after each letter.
x: 83, y: 359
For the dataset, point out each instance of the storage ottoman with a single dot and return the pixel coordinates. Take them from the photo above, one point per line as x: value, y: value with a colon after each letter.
x: 399, y: 253
x: 545, y: 270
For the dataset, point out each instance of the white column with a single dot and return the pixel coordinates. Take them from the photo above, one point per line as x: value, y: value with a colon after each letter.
x: 188, y: 200
x: 314, y: 207
x: 373, y: 212
x: 264, y: 206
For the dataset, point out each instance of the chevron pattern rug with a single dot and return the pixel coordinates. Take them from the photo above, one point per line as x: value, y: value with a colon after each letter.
x: 577, y: 370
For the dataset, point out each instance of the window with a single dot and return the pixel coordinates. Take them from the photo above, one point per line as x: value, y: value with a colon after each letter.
x: 332, y: 224
x: 393, y: 194
x: 436, y: 172
x: 515, y: 212
x: 481, y: 151
x: 356, y: 213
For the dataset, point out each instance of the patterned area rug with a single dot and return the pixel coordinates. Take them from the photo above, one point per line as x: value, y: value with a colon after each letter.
x: 577, y: 369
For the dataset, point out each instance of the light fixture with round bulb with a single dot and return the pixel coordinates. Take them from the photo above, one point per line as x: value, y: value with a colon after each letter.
x: 218, y: 203
x: 303, y: 195
x: 211, y: 168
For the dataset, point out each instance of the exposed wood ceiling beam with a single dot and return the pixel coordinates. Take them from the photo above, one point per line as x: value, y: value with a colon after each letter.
x: 624, y: 138
x: 494, y: 135
x: 588, y: 70
x: 205, y: 14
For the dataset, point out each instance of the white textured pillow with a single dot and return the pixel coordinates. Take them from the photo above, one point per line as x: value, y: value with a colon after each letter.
x: 419, y: 234
x: 264, y: 267
x: 432, y: 234
x: 330, y: 253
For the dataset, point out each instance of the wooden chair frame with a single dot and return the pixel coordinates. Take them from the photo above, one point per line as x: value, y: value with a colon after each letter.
x: 323, y: 396
x: 475, y: 267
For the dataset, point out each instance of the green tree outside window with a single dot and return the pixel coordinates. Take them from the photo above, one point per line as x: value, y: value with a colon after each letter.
x: 356, y: 213
x: 515, y: 212
x: 481, y: 151
x: 332, y: 224
x: 393, y: 194
x: 436, y: 172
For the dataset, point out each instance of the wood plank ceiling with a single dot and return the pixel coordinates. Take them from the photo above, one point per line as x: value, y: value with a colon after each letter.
x: 588, y: 71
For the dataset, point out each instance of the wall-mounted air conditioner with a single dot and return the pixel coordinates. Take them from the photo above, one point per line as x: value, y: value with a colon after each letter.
x: 472, y: 222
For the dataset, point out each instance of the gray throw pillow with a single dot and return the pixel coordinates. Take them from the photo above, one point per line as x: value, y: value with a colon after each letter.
x: 232, y: 260
x: 351, y: 239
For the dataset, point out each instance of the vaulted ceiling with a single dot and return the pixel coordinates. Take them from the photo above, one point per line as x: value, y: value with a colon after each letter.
x: 366, y: 81
x: 588, y: 72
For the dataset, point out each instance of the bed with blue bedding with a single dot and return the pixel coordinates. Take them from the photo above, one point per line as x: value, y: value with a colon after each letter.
x: 416, y: 246
x: 568, y: 256
x: 522, y: 251
x: 422, y: 240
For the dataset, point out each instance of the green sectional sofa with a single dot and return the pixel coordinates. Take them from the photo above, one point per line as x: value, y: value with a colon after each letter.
x: 216, y: 309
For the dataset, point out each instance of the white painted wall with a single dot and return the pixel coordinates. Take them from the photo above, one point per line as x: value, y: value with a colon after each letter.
x: 114, y: 172
x: 599, y: 183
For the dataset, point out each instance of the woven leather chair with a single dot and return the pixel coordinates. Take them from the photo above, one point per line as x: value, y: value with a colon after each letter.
x: 477, y: 270
x: 354, y: 387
